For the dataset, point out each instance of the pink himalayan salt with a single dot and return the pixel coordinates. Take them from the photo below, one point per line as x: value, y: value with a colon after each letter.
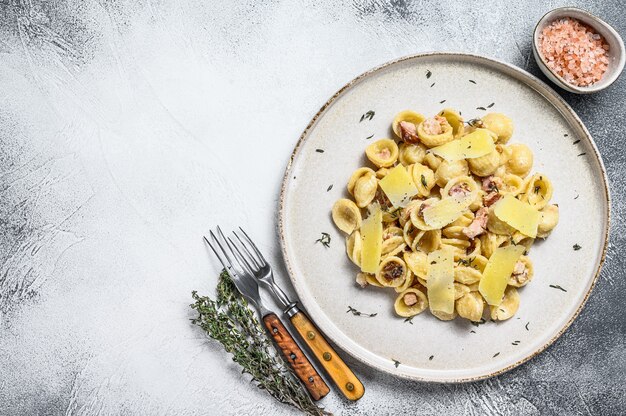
x: 574, y: 51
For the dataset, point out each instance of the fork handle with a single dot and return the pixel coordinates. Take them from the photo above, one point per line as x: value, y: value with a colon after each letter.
x: 295, y: 357
x: 336, y: 368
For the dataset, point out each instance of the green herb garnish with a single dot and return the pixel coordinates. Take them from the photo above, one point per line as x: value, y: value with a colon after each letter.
x: 491, y: 105
x: 482, y: 321
x: 442, y: 101
x: 576, y: 247
x: 582, y: 154
x: 431, y: 358
x: 481, y: 108
x: 369, y: 115
x: 526, y: 326
x: 369, y: 137
x: 428, y: 73
x: 325, y: 240
x: 576, y: 142
x: 395, y: 362
x: 357, y: 313
x: 423, y: 180
x: 319, y: 150
x: 230, y: 321
x: 329, y: 188
x: 496, y: 354
x: 472, y: 81
x: 558, y: 287
x: 409, y: 319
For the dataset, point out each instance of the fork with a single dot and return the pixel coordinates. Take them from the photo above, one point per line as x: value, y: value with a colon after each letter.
x: 236, y: 265
x: 339, y: 372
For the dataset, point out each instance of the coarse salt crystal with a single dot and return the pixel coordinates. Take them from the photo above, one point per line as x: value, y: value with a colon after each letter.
x: 574, y: 51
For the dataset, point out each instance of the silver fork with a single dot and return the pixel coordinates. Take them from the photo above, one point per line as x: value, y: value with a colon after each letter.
x: 339, y: 372
x: 239, y: 270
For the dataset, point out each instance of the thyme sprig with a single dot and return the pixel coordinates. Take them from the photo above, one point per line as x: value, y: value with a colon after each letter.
x: 230, y: 321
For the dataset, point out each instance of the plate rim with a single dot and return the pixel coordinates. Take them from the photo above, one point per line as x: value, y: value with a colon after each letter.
x: 551, y: 95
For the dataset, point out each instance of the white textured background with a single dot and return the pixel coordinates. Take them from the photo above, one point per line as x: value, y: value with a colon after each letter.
x: 128, y: 129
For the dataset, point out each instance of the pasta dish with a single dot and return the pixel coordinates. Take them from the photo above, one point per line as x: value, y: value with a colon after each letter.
x: 446, y: 214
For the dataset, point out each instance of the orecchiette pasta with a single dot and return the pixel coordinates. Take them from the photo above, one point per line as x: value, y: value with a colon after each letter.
x: 411, y: 153
x: 382, y: 153
x: 520, y: 161
x: 450, y: 170
x: 467, y: 218
x: 500, y: 124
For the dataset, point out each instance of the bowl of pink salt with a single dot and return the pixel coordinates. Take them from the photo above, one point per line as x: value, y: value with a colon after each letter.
x: 578, y: 51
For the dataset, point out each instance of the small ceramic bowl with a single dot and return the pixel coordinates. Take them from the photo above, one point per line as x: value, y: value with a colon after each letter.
x: 617, y: 55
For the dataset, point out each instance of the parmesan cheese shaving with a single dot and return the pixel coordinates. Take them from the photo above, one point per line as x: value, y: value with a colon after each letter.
x: 398, y: 186
x: 440, y: 282
x: 518, y: 215
x: 372, y: 237
x: 497, y: 272
x: 476, y: 144
x: 447, y: 210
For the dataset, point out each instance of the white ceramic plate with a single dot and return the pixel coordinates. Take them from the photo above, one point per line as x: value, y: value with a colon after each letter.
x: 429, y: 349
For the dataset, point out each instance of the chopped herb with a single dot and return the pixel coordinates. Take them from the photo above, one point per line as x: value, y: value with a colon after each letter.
x: 466, y: 262
x: 526, y: 326
x: 369, y: 137
x: 294, y: 177
x: 565, y: 135
x: 357, y: 313
x: 582, y: 154
x: 482, y: 321
x: 491, y: 105
x: 460, y: 113
x: 395, y: 362
x: 576, y: 197
x: 442, y: 101
x: 472, y: 332
x: 537, y: 189
x: 325, y: 240
x: 409, y: 319
x: 319, y: 150
x: 472, y: 81
x: 433, y: 262
x: 428, y: 73
x: 431, y: 358
x: 369, y: 115
x: 496, y: 354
x: 515, y: 342
x: 423, y: 180
x: 481, y: 108
x: 558, y: 287
x: 432, y: 85
x: 329, y: 188
x: 576, y: 247
x: 475, y: 122
x: 576, y: 142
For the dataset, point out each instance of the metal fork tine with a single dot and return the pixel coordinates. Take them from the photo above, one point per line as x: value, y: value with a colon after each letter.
x: 223, y: 261
x: 250, y: 255
x: 254, y: 247
x: 230, y: 261
x: 242, y: 261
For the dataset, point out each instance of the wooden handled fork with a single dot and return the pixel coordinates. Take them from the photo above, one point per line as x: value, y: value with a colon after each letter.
x: 234, y: 263
x: 337, y: 369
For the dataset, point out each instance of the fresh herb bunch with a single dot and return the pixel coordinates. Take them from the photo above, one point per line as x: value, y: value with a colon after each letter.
x: 230, y: 321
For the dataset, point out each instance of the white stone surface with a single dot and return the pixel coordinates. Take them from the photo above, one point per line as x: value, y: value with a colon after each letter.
x: 129, y: 129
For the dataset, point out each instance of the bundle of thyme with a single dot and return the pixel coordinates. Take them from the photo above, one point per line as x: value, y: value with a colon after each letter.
x: 230, y: 321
